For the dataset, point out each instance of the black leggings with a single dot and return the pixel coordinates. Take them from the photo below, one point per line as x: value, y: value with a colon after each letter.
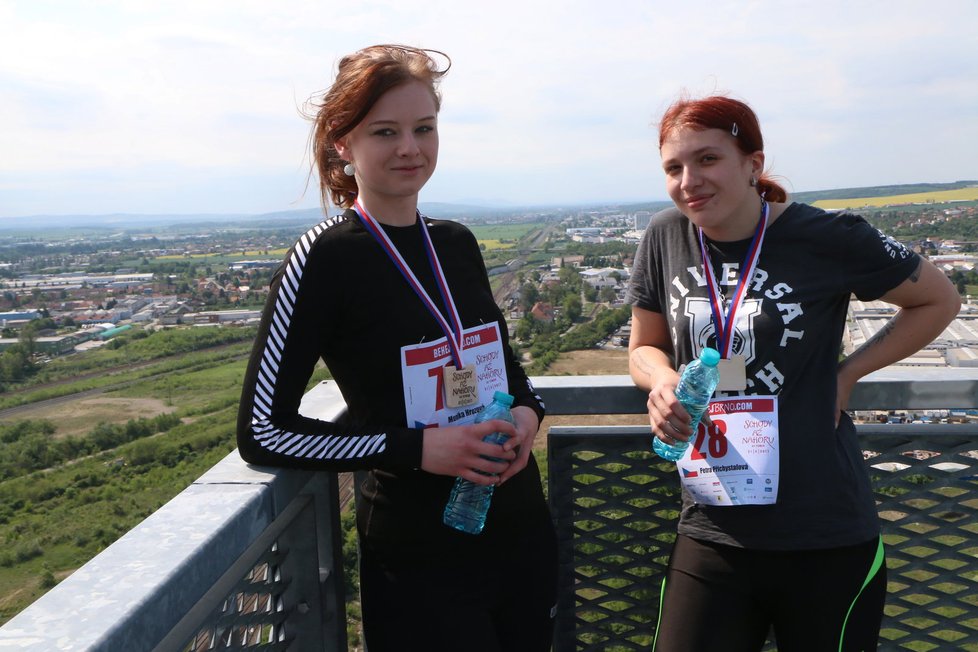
x: 503, y: 603
x: 717, y: 597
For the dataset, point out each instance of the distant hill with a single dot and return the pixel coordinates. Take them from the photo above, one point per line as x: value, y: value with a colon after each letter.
x: 117, y: 221
x: 133, y: 221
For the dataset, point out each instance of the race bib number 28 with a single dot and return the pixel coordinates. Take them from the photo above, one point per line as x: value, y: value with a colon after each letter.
x: 736, y: 461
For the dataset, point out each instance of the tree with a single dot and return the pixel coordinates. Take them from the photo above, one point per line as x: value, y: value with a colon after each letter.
x: 14, y: 364
x: 529, y: 295
x: 26, y: 339
x: 525, y: 329
x: 572, y: 307
x: 570, y: 278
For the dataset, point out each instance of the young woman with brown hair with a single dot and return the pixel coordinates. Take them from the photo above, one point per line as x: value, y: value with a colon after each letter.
x: 389, y: 298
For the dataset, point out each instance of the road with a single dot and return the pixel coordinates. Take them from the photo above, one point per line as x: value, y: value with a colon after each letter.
x: 507, y: 283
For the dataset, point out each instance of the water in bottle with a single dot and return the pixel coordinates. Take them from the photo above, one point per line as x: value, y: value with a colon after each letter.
x: 468, y: 503
x: 695, y: 388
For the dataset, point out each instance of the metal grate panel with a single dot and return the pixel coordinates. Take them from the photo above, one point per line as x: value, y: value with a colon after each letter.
x: 615, y: 504
x: 927, y: 489
x: 276, y: 596
x: 252, y: 616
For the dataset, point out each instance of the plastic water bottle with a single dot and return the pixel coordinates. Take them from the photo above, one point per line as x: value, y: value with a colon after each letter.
x: 696, y: 386
x: 468, y: 503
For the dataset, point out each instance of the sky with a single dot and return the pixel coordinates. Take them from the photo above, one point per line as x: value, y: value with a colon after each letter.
x: 195, y: 106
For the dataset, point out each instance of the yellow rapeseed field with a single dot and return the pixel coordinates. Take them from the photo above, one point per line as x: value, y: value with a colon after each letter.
x: 936, y: 197
x: 497, y: 244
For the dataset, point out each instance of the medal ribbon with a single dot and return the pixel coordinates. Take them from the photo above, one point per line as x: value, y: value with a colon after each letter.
x: 453, y: 330
x: 725, y: 325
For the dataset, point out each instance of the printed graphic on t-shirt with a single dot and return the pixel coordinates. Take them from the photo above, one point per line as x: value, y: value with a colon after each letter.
x: 895, y: 249
x: 703, y: 334
x: 763, y: 375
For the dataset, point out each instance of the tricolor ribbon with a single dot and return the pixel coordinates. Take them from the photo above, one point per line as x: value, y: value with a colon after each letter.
x: 453, y: 330
x: 725, y: 325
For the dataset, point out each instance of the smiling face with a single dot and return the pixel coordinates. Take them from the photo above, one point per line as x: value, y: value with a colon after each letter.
x: 708, y: 178
x: 394, y: 150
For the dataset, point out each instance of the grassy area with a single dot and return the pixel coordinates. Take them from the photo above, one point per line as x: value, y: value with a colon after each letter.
x: 150, y: 370
x: 117, y: 470
x: 936, y: 197
x: 55, y: 520
x: 503, y: 231
x: 137, y: 352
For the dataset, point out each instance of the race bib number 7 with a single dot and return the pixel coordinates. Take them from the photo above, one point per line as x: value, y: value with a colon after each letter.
x: 423, y: 373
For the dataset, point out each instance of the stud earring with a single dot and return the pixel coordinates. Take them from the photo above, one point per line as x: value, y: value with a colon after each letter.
x: 349, y: 170
x: 753, y: 181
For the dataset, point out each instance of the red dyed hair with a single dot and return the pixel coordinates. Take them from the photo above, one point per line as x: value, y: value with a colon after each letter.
x: 729, y: 115
x: 362, y: 78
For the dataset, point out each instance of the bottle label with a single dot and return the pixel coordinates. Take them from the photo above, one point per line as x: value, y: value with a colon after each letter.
x: 736, y: 460
x: 424, y: 377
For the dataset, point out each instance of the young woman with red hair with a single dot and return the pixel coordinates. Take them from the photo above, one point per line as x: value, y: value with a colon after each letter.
x: 778, y: 526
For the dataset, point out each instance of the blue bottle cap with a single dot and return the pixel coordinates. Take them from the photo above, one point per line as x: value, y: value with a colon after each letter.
x: 710, y: 357
x: 503, y: 397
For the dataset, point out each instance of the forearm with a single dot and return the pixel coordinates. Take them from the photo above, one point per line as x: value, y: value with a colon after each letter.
x: 928, y: 302
x: 907, y: 332
x: 646, y: 364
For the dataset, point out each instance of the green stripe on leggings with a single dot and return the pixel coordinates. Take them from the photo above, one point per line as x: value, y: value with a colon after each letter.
x: 873, y: 570
x: 662, y: 593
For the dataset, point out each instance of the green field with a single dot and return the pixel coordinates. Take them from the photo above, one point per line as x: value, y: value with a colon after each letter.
x: 502, y: 236
x: 225, y: 258
x: 116, y: 455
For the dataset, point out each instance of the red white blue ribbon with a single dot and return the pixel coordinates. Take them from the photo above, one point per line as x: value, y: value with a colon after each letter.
x: 725, y: 325
x: 453, y: 329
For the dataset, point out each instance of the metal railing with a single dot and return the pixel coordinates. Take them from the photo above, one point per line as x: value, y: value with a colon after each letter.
x: 250, y: 558
x: 615, y: 505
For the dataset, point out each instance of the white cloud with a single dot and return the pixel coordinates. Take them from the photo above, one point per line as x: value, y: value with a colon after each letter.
x: 125, y: 101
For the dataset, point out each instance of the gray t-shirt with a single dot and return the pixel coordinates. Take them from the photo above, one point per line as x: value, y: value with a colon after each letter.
x: 789, y: 329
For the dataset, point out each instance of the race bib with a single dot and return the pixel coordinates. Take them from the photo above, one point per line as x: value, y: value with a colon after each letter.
x: 423, y: 373
x: 736, y: 461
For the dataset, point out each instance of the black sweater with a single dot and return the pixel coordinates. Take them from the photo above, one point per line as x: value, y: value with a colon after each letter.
x: 338, y: 297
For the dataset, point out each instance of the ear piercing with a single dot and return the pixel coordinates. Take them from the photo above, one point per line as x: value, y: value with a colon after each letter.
x: 349, y: 170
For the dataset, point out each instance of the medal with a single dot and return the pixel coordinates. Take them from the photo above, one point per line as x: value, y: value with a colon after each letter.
x: 733, y: 372
x: 461, y: 387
